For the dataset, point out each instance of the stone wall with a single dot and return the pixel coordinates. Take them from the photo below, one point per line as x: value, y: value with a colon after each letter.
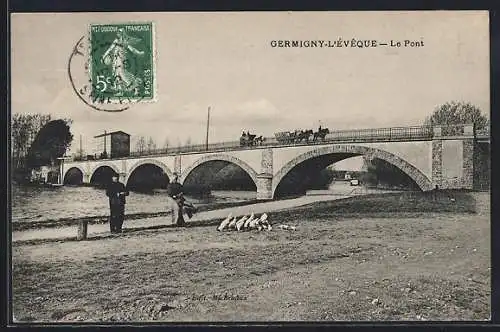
x: 482, y: 166
x: 457, y: 172
x: 437, y: 153
x: 468, y: 164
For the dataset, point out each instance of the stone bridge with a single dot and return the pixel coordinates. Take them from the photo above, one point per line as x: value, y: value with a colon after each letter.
x: 429, y: 160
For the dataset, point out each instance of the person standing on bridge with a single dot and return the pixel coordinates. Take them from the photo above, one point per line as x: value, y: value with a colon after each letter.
x: 116, y: 192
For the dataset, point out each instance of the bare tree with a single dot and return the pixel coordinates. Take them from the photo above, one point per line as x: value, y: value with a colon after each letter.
x: 188, y: 141
x: 151, y: 145
x: 140, y: 145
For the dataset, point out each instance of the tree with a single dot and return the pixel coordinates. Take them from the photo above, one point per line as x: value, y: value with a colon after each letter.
x: 188, y: 141
x: 140, y: 146
x: 456, y: 113
x: 24, y: 128
x: 50, y: 143
x: 151, y: 145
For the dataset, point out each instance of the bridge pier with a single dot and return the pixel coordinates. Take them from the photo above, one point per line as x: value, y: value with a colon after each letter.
x: 453, y: 159
x: 265, y: 186
x: 177, y: 165
x: 86, y: 178
x: 265, y: 178
x: 468, y: 163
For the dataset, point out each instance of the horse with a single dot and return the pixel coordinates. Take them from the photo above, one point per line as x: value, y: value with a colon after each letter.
x: 282, y: 137
x: 247, y: 140
x: 321, y: 133
x: 304, y: 134
x: 259, y: 140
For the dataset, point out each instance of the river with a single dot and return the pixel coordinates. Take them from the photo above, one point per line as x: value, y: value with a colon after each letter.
x: 31, y: 204
x: 38, y: 204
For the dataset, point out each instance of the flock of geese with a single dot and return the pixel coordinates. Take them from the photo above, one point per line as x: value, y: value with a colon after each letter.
x: 248, y: 223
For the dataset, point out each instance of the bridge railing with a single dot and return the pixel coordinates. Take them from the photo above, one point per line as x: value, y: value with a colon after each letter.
x: 340, y: 136
x: 188, y: 149
x: 381, y: 134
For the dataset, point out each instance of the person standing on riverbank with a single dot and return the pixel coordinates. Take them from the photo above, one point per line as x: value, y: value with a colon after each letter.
x: 175, y: 194
x: 178, y: 202
x: 116, y: 192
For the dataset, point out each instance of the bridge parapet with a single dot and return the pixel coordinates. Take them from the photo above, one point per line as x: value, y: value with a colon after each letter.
x: 396, y: 134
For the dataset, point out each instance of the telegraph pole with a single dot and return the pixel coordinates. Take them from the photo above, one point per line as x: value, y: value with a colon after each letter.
x: 208, y: 126
x: 105, y: 142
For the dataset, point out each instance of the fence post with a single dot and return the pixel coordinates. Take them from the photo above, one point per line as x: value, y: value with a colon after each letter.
x: 82, y: 230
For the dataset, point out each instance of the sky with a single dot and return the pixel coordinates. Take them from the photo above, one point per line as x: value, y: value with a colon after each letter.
x: 226, y: 61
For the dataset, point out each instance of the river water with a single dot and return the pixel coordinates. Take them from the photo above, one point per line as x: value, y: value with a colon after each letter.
x: 38, y: 204
x: 31, y: 204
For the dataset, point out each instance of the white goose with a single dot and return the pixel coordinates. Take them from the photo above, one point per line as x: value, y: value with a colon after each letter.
x: 224, y: 223
x: 240, y: 223
x: 232, y: 224
x: 249, y: 220
x: 254, y: 223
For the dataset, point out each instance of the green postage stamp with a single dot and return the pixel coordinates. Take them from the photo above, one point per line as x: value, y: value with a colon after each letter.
x: 122, y: 62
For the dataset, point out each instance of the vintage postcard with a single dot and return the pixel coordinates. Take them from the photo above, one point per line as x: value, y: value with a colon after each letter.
x: 250, y: 167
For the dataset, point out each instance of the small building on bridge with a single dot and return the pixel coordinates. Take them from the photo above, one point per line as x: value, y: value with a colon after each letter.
x: 116, y: 144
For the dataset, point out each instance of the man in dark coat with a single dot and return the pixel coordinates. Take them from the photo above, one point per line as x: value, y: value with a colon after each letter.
x: 175, y: 192
x: 179, y: 204
x: 116, y: 192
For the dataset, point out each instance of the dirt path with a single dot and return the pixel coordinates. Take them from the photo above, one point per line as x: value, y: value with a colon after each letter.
x: 99, y: 229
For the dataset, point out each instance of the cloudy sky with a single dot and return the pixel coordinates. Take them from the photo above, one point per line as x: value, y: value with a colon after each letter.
x: 226, y: 60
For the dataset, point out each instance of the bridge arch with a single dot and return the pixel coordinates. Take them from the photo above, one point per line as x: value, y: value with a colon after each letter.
x: 414, y: 173
x: 155, y: 162
x: 73, y: 168
x: 222, y: 157
x: 104, y: 164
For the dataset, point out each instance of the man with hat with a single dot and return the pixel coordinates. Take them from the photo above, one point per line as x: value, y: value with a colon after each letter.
x: 116, y: 192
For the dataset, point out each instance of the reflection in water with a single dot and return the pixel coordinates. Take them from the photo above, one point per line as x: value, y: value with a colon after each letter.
x: 38, y: 204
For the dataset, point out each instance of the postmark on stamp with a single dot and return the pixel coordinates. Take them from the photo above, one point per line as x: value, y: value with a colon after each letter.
x: 121, y: 63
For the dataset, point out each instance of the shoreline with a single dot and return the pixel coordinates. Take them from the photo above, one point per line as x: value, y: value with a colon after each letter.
x: 100, y: 229
x: 405, y: 204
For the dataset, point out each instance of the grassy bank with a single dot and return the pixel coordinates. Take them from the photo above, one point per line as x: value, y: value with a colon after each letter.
x: 422, y: 266
x: 387, y: 204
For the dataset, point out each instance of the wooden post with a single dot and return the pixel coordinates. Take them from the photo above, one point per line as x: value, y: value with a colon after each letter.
x: 82, y: 230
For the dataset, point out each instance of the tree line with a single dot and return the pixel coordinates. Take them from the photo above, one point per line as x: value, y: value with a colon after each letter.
x: 37, y: 140
x: 148, y: 144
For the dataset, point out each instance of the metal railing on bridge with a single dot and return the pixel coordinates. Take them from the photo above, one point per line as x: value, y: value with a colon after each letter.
x: 340, y: 136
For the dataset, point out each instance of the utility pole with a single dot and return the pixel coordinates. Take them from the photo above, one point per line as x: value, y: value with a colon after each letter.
x: 81, y: 151
x: 105, y: 142
x: 208, y: 126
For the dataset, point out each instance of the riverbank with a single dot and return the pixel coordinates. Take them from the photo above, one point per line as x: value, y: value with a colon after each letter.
x: 363, y: 265
x: 99, y: 230
x: 92, y: 220
x: 376, y: 205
